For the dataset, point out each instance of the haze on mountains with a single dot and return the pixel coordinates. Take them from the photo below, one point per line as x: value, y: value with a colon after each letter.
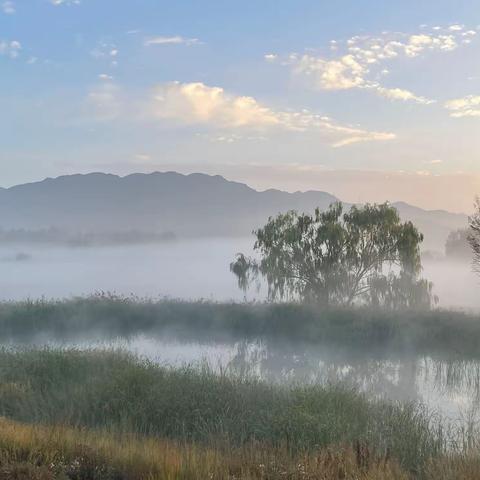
x: 189, y: 206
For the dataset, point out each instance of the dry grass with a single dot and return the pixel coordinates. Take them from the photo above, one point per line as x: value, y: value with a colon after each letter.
x: 47, y: 453
x: 37, y: 452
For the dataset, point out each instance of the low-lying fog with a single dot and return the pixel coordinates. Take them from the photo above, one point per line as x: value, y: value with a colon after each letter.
x: 183, y: 269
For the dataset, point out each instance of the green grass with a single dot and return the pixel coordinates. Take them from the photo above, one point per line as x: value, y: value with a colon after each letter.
x: 118, y: 392
x: 424, y: 332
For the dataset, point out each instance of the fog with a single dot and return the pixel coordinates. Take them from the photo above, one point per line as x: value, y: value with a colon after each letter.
x: 190, y: 269
x: 200, y: 270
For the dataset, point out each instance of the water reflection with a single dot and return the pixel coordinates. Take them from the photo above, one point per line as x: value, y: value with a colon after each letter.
x: 449, y: 386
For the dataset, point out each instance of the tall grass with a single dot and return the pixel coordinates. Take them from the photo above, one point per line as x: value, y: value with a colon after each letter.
x: 445, y: 332
x: 55, y: 452
x: 120, y: 393
x: 40, y: 452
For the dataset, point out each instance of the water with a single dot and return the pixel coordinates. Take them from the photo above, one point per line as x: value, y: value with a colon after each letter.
x: 448, y: 387
x: 200, y: 269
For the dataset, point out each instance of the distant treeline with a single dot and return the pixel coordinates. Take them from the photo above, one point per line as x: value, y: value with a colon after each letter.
x: 82, y: 239
x: 433, y: 332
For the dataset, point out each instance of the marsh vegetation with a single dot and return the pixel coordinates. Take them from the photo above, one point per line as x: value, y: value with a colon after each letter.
x: 367, y: 379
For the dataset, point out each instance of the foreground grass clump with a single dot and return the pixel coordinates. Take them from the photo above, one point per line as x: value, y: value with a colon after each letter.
x: 427, y: 332
x: 118, y: 392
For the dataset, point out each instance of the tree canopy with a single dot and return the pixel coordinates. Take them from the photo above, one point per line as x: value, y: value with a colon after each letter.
x: 365, y: 255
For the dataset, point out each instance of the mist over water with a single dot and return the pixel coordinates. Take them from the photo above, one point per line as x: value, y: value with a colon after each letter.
x: 189, y: 270
x: 194, y: 269
x: 200, y: 270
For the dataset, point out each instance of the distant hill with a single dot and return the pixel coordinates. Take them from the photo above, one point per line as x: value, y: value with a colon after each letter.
x: 195, y: 205
x: 435, y: 224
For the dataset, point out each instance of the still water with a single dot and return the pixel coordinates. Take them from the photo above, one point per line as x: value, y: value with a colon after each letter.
x: 448, y: 387
x: 200, y: 269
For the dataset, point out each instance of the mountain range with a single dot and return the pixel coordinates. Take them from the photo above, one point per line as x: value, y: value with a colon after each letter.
x: 195, y: 205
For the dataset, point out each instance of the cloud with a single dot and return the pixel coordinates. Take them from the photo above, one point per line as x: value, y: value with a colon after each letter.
x: 10, y: 48
x: 105, y: 76
x: 106, y: 51
x: 468, y: 106
x: 340, y: 74
x: 196, y: 103
x: 8, y: 7
x: 64, y: 2
x: 199, y: 104
x: 356, y: 62
x: 270, y: 57
x: 401, y: 94
x: 176, y: 40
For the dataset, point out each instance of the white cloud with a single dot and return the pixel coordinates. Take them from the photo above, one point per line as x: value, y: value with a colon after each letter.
x: 270, y: 57
x: 456, y: 28
x: 401, y: 94
x: 105, y: 76
x: 176, y: 40
x: 199, y: 104
x: 64, y: 2
x: 339, y: 74
x: 356, y: 62
x: 468, y: 106
x: 196, y: 103
x: 10, y: 48
x: 106, y: 52
x: 8, y: 7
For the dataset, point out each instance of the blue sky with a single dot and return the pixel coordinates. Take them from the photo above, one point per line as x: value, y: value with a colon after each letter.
x: 289, y: 94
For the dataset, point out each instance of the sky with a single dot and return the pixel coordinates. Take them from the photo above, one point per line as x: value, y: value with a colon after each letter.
x: 366, y: 101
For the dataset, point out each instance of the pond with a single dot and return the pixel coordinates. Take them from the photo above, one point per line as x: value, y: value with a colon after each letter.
x: 200, y: 269
x: 447, y: 386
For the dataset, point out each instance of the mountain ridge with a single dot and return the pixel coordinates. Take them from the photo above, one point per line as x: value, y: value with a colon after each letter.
x: 190, y: 205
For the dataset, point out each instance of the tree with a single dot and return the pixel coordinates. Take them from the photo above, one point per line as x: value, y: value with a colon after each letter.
x: 338, y: 258
x: 474, y: 237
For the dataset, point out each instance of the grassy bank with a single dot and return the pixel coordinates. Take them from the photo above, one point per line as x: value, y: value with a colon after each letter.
x: 119, y: 393
x: 429, y: 332
x: 60, y: 452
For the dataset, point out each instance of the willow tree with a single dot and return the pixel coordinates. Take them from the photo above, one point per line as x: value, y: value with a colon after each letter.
x: 364, y: 255
x: 474, y: 237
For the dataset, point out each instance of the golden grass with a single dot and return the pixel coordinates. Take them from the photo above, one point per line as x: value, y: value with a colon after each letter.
x: 46, y: 453
x: 35, y: 452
